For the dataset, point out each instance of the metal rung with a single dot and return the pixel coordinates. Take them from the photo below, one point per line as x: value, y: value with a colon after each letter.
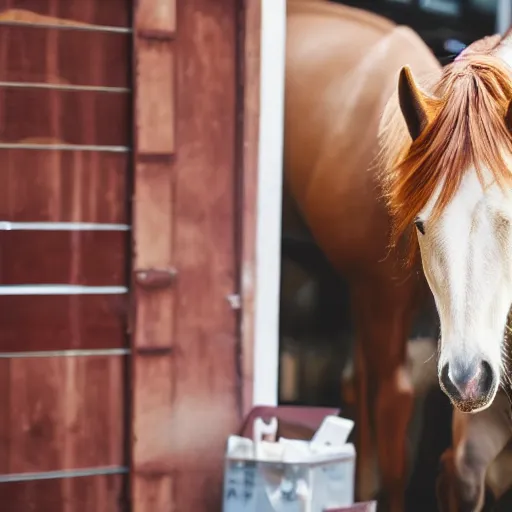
x: 62, y: 26
x: 65, y: 147
x: 71, y: 473
x: 63, y: 87
x: 66, y: 353
x: 58, y: 289
x: 61, y: 226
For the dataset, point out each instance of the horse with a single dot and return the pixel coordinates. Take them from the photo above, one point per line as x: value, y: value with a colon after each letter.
x: 476, y: 470
x: 342, y: 65
x: 445, y: 171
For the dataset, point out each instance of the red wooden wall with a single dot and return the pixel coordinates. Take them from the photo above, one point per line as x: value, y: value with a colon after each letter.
x: 64, y: 158
x: 113, y: 111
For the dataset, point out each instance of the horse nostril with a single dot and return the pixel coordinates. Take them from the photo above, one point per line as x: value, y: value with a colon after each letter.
x: 447, y: 383
x: 487, y: 377
x: 468, y: 380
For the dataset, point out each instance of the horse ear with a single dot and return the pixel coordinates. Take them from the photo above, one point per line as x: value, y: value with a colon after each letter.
x: 413, y: 103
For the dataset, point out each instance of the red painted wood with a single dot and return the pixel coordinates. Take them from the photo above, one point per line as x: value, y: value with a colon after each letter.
x: 91, y: 118
x: 61, y: 413
x: 60, y: 322
x: 86, y: 494
x: 97, y: 12
x: 67, y: 186
x: 91, y: 258
x: 75, y: 56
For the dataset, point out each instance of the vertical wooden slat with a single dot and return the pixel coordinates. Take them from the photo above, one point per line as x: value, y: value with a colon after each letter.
x: 250, y: 77
x: 186, y: 364
x: 207, y: 389
x: 152, y: 362
x: 156, y: 17
x: 155, y: 114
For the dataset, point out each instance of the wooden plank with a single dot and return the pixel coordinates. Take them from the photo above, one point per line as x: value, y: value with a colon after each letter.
x: 152, y: 492
x: 152, y: 363
x: 155, y: 97
x: 67, y: 186
x: 154, y: 413
x: 105, y: 122
x: 61, y: 413
x: 73, y: 61
x: 193, y: 392
x: 61, y: 322
x: 85, y: 494
x: 153, y: 203
x: 207, y: 392
x: 153, y: 227
x: 115, y: 13
x: 156, y: 16
x: 90, y: 258
x: 207, y: 494
x: 249, y: 194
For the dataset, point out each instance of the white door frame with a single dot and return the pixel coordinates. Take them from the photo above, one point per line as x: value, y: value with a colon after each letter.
x: 270, y: 175
x: 503, y: 16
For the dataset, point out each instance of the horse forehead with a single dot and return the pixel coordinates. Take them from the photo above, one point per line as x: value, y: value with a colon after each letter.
x: 469, y: 198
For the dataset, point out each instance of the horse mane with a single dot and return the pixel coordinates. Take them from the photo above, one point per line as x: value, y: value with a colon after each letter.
x: 468, y: 130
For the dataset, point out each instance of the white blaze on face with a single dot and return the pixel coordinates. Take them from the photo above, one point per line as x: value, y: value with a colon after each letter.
x: 467, y: 258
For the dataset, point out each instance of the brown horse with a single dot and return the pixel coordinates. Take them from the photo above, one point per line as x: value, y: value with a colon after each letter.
x: 341, y: 68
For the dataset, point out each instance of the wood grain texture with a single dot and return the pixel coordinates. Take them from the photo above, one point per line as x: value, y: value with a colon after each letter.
x: 62, y: 322
x: 207, y: 391
x: 114, y: 13
x: 78, y: 57
x: 153, y: 493
x: 154, y: 413
x: 193, y: 397
x: 152, y: 370
x: 155, y: 105
x: 90, y: 258
x: 154, y: 231
x: 157, y: 16
x: 250, y: 70
x: 84, y: 494
x: 67, y: 186
x: 92, y: 118
x: 61, y: 413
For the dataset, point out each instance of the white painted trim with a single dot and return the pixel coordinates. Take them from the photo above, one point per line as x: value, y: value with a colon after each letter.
x: 503, y: 16
x: 268, y: 238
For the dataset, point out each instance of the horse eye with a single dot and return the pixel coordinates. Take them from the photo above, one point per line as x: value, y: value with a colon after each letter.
x: 419, y: 225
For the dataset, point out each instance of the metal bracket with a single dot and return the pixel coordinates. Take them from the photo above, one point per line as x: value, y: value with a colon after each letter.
x: 235, y: 301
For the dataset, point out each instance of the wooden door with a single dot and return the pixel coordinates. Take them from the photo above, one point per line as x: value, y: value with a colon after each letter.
x: 189, y: 369
x: 64, y: 236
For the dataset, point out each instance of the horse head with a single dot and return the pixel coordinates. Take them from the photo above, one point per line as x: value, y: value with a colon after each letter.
x: 447, y: 178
